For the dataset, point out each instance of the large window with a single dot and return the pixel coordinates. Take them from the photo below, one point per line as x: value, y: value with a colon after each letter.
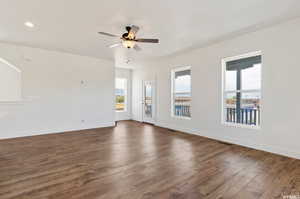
x: 121, y: 94
x: 242, y: 90
x: 181, y: 92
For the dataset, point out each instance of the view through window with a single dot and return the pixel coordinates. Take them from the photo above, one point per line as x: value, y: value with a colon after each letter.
x: 148, y: 100
x: 181, y: 92
x: 242, y: 90
x: 121, y: 94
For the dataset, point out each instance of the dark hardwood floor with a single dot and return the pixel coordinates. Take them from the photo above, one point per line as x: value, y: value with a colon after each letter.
x: 135, y: 160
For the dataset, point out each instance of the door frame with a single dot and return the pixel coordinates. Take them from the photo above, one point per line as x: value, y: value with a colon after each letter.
x: 145, y: 119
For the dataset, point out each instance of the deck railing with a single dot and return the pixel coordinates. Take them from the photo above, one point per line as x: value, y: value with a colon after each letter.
x: 182, y: 110
x: 182, y: 104
x: 248, y: 116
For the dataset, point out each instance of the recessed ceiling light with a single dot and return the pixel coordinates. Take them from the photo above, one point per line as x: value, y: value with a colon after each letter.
x: 29, y: 24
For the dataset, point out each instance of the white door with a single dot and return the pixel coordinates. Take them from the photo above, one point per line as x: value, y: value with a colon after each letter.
x: 148, y: 102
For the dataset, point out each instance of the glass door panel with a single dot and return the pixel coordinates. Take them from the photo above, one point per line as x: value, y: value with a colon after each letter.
x: 148, y: 101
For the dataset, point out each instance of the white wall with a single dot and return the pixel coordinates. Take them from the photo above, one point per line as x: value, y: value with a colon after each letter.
x: 10, y: 82
x: 125, y: 73
x: 61, y: 92
x: 280, y: 130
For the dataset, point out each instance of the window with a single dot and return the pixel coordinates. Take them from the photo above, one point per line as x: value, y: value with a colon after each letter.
x: 242, y: 90
x: 121, y: 94
x: 181, y: 92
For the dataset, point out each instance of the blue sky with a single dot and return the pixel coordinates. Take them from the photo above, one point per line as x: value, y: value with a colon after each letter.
x: 121, y: 83
x: 120, y: 86
x: 183, y: 84
x: 251, y: 78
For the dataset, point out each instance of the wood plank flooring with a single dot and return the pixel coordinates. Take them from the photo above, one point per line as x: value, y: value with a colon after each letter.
x: 135, y: 160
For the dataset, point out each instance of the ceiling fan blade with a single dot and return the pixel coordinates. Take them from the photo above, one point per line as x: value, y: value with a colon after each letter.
x: 114, y: 45
x: 147, y: 40
x: 108, y: 34
x: 134, y: 29
x: 137, y: 48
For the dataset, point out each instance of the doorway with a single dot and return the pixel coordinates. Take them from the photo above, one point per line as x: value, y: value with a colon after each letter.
x: 148, y: 102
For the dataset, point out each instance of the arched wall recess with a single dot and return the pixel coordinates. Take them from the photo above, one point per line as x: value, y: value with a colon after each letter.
x: 10, y: 82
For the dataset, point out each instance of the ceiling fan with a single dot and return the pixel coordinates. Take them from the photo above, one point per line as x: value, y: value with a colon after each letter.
x: 128, y: 39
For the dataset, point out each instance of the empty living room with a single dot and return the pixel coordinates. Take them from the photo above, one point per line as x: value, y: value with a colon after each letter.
x: 136, y: 99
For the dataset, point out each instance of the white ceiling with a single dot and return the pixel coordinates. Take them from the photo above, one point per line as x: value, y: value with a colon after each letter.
x: 72, y: 25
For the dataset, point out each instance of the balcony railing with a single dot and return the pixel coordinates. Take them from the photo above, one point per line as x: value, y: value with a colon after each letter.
x: 248, y: 116
x: 182, y: 104
x: 182, y: 110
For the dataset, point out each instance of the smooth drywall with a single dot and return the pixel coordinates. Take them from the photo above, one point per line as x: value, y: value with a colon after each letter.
x: 126, y: 74
x: 60, y: 92
x: 10, y: 82
x: 280, y: 130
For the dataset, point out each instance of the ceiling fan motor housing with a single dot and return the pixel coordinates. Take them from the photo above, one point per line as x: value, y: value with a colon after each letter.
x: 125, y: 35
x: 128, y: 28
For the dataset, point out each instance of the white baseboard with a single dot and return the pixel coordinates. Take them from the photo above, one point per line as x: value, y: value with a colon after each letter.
x: 258, y: 146
x: 122, y: 118
x: 57, y: 130
x: 136, y: 119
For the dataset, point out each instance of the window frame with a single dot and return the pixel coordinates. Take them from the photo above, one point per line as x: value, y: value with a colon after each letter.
x: 173, y: 71
x: 125, y: 95
x: 224, y: 92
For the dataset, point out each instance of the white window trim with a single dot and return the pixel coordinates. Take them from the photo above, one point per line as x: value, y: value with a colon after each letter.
x: 223, y: 116
x: 173, y: 71
x: 125, y: 96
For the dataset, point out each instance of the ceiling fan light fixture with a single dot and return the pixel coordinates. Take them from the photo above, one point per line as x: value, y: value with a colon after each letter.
x: 128, y: 43
x: 29, y: 24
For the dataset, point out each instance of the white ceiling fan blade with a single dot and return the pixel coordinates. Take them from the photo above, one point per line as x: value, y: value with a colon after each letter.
x: 114, y: 45
x: 108, y: 34
x: 133, y: 30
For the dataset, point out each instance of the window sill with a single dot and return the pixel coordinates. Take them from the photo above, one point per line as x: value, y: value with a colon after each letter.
x: 12, y: 102
x: 121, y: 111
x: 241, y: 126
x: 181, y: 117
